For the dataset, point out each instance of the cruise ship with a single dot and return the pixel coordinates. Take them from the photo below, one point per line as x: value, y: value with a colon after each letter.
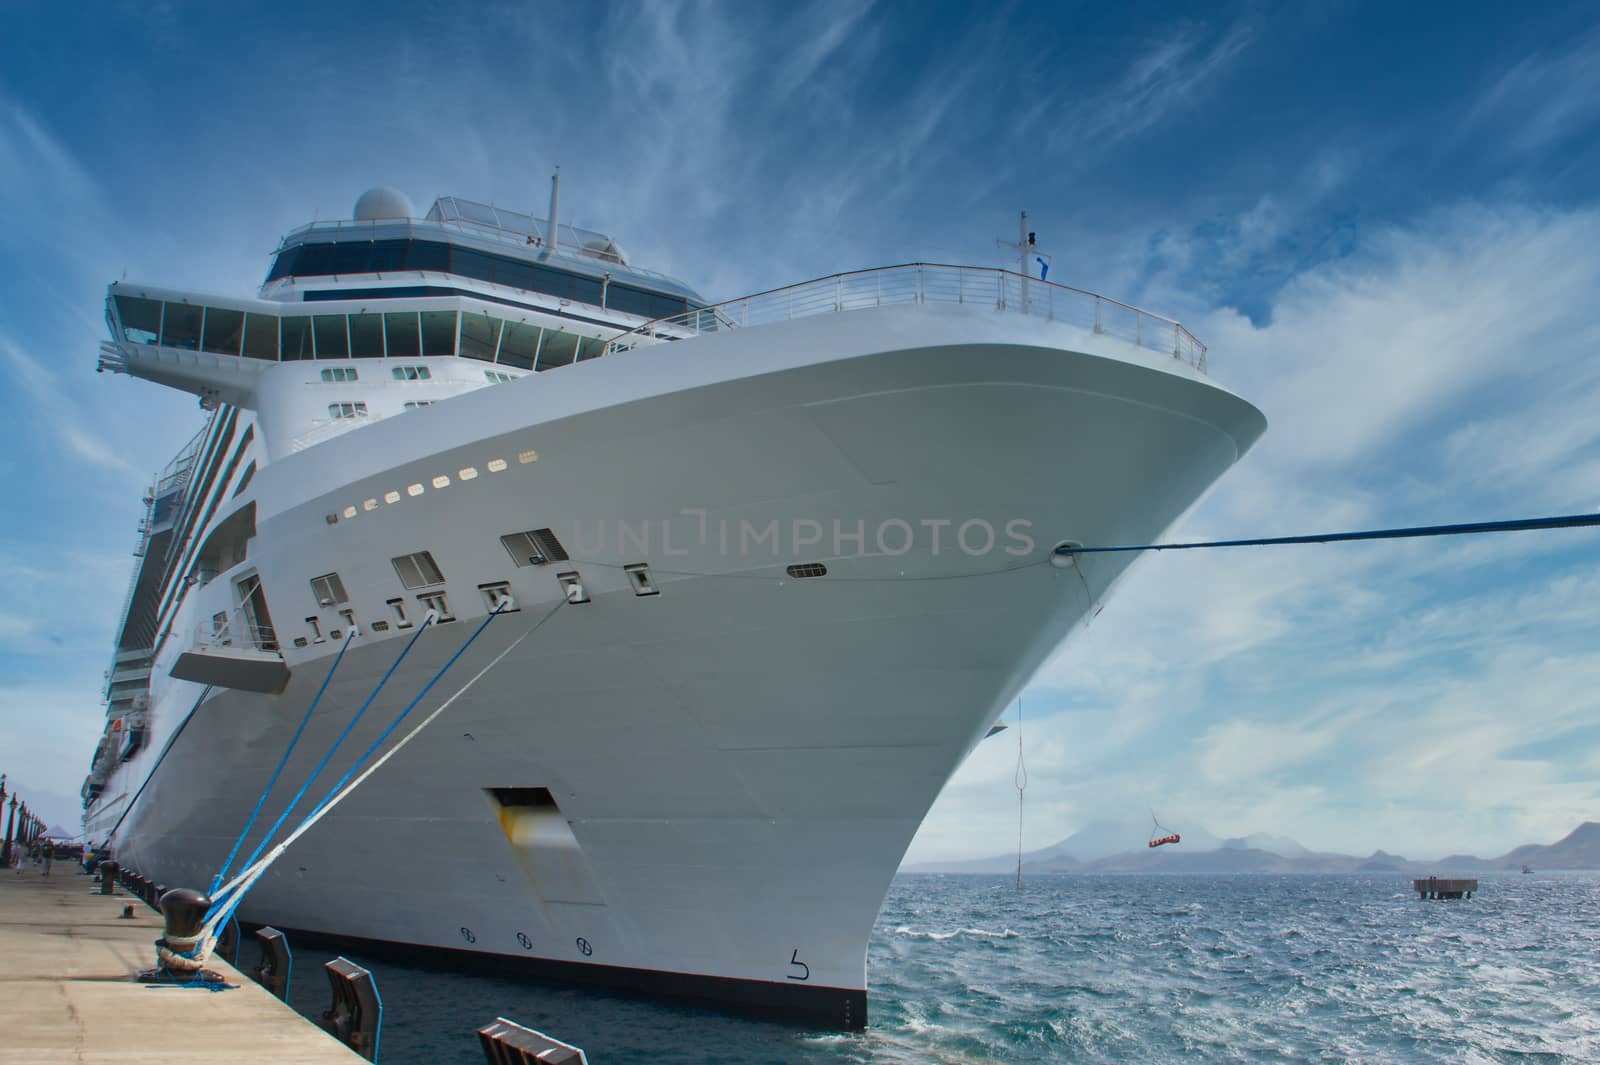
x: 768, y: 569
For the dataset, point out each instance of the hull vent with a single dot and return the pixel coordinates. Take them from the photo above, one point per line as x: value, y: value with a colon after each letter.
x: 534, y: 548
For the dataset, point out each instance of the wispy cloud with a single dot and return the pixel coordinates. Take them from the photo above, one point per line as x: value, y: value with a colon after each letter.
x: 1155, y: 84
x: 54, y: 411
x: 1284, y: 690
x: 1541, y: 100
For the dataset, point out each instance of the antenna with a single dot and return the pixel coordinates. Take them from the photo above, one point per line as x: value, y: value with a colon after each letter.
x: 1026, y: 245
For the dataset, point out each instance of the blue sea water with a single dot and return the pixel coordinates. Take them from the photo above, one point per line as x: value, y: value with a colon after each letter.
x: 1111, y: 968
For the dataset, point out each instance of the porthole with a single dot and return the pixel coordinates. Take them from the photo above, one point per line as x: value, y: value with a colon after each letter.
x: 806, y: 569
x: 391, y: 497
x: 467, y: 473
x: 497, y: 465
x: 441, y: 481
x: 414, y: 489
x: 527, y: 457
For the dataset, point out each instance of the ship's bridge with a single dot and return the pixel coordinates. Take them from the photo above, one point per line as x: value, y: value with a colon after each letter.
x: 218, y: 348
x: 463, y: 240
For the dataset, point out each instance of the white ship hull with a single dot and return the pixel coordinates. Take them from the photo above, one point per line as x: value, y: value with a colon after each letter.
x: 741, y: 760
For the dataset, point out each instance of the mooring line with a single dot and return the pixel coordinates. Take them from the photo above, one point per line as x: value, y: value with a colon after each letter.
x: 1021, y: 781
x: 233, y: 893
x: 216, y: 881
x: 287, y: 810
x: 1564, y: 521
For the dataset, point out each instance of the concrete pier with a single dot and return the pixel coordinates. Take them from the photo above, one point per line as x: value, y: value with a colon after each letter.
x: 67, y: 990
x: 1434, y: 888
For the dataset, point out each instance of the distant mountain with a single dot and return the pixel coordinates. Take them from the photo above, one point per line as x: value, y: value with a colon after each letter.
x: 1104, y: 847
x: 1578, y: 849
x: 1102, y: 839
x: 1111, y: 844
x: 1264, y: 841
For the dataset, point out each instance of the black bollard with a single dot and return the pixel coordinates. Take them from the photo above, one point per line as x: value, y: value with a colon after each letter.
x: 356, y: 1013
x: 184, y: 912
x: 276, y: 964
x: 509, y: 1043
x: 108, y: 878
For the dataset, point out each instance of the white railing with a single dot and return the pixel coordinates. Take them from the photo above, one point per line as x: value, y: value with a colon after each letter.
x: 320, y: 429
x: 916, y: 283
x: 235, y: 629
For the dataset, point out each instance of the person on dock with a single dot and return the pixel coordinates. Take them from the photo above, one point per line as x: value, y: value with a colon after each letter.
x: 47, y: 853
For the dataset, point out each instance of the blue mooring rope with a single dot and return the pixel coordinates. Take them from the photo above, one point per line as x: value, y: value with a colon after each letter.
x: 412, y: 705
x: 227, y: 905
x: 1566, y: 521
x: 216, y: 881
x: 287, y: 810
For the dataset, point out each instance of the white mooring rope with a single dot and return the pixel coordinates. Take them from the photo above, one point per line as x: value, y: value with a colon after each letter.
x: 236, y: 888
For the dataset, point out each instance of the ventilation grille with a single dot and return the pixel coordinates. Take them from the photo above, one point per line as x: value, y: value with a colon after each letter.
x: 534, y: 548
x: 807, y: 569
x: 418, y: 570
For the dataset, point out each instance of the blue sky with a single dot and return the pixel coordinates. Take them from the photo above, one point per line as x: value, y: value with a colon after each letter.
x: 1381, y: 218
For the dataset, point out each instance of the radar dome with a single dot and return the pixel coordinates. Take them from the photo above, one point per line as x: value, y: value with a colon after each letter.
x: 383, y: 202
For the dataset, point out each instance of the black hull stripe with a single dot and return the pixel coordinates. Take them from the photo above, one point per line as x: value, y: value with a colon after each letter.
x: 832, y: 1008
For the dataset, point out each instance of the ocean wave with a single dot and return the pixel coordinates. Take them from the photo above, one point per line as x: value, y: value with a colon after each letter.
x: 984, y: 933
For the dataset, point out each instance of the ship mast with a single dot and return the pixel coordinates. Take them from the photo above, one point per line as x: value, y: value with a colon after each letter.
x: 555, y: 209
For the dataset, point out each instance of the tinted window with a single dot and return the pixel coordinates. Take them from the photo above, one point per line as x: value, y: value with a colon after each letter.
x: 296, y: 338
x: 224, y: 331
x: 283, y: 266
x: 180, y: 328
x: 366, y: 335
x: 388, y: 255
x: 590, y: 348
x: 428, y: 255
x: 353, y: 257
x: 401, y: 328
x: 141, y: 319
x: 469, y: 263
x: 438, y: 332
x: 350, y: 257
x: 261, y: 336
x: 558, y: 349
x: 479, y: 334
x: 644, y: 302
x: 513, y: 273
x: 314, y: 259
x: 332, y: 342
x: 519, y: 345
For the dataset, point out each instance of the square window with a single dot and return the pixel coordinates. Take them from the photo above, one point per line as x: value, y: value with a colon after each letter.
x: 328, y: 589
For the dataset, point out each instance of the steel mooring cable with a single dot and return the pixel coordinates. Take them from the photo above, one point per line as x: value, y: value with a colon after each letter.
x: 1562, y: 521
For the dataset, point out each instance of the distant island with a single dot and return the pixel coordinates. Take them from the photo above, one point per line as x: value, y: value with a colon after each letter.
x: 1103, y: 848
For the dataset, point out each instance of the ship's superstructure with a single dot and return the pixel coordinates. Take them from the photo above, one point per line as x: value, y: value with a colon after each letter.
x: 776, y: 565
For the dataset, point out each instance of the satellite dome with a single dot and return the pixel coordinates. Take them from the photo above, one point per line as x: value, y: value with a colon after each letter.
x: 383, y: 202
